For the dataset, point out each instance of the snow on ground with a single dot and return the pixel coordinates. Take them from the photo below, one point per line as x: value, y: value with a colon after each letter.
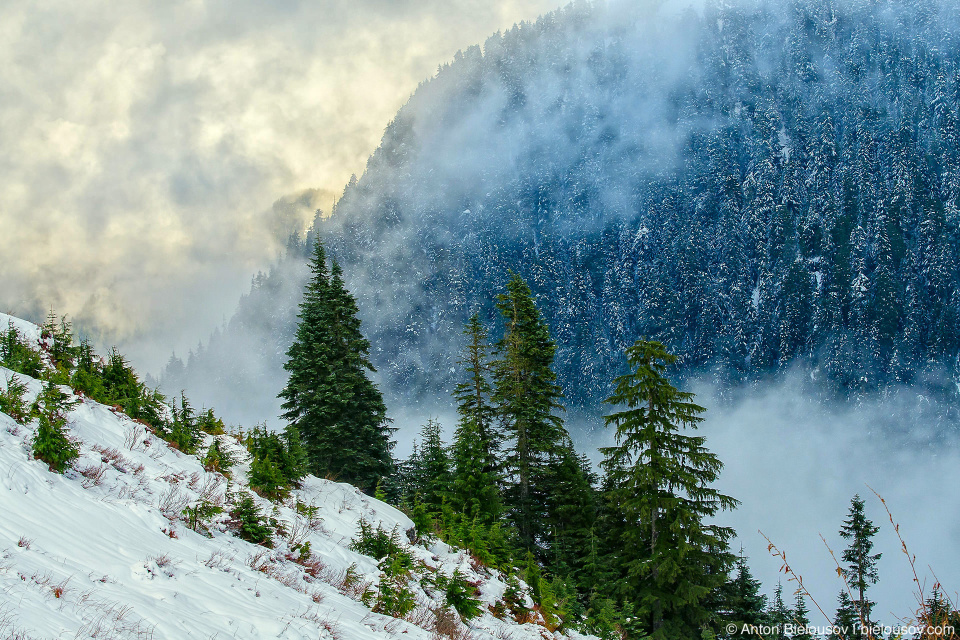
x: 102, y: 551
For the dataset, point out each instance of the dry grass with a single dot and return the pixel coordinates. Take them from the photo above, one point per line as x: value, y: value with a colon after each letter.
x: 926, y: 622
x: 92, y: 475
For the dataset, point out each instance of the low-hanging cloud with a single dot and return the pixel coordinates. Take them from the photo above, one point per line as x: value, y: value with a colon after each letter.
x: 145, y: 143
x: 796, y: 462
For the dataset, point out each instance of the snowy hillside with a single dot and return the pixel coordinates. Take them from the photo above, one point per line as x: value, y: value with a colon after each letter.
x: 105, y: 551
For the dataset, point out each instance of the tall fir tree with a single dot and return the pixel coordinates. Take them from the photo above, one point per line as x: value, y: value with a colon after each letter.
x: 861, y: 569
x: 661, y: 481
x: 328, y: 398
x: 473, y: 395
x: 527, y: 398
x: 476, y: 441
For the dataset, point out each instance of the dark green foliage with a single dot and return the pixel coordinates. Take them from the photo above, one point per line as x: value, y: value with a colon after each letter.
x: 461, y: 595
x: 477, y: 440
x: 572, y: 505
x: 183, y: 433
x: 115, y: 383
x: 378, y: 544
x: 50, y: 443
x: 248, y: 522
x: 861, y: 569
x: 267, y: 479
x: 473, y: 490
x: 279, y: 461
x: 58, y: 336
x: 112, y: 381
x: 428, y: 477
x: 87, y: 377
x: 527, y: 398
x: 801, y: 618
x: 209, y: 423
x: 601, y: 617
x: 778, y: 615
x: 659, y: 479
x: 514, y: 600
x: 198, y: 516
x: 743, y: 604
x: 938, y: 612
x: 12, y: 402
x: 338, y: 412
x: 394, y: 597
x: 17, y: 355
x: 846, y: 621
x: 217, y: 459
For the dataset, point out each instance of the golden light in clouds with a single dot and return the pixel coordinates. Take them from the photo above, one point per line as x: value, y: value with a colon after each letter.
x: 144, y: 143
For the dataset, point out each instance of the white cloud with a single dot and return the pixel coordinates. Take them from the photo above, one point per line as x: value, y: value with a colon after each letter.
x: 144, y: 143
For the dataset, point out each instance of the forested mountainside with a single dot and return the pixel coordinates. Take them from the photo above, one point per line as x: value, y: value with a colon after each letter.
x: 755, y: 185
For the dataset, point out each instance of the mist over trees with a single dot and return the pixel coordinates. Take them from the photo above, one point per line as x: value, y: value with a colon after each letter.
x: 755, y: 186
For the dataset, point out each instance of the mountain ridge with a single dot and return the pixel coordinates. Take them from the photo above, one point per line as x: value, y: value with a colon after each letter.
x: 778, y: 186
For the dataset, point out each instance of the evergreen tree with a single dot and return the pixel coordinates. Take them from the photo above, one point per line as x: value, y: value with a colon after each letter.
x: 279, y: 460
x: 476, y: 442
x: 474, y: 490
x: 745, y: 605
x: 861, y: 569
x: 779, y: 615
x: 938, y: 612
x: 12, y: 400
x: 846, y: 622
x: 801, y: 618
x: 527, y: 398
x: 572, y: 512
x: 409, y: 476
x: 661, y: 481
x: 58, y: 335
x: 50, y: 443
x: 473, y: 395
x: 17, y: 355
x: 330, y: 401
x: 434, y: 473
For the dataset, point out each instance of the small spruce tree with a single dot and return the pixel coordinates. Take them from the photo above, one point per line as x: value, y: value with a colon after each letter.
x: 861, y: 569
x: 801, y: 618
x: 12, y: 400
x: 744, y: 603
x: 50, y: 443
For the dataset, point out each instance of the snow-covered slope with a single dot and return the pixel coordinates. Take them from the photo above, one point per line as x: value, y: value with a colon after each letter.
x: 103, y: 552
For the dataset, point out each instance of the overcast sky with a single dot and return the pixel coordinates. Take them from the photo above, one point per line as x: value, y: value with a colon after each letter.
x: 144, y: 144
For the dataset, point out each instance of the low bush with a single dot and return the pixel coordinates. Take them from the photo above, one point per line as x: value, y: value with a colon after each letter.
x: 16, y: 354
x: 461, y: 595
x: 199, y: 516
x: 217, y: 459
x: 12, y: 402
x: 249, y: 523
